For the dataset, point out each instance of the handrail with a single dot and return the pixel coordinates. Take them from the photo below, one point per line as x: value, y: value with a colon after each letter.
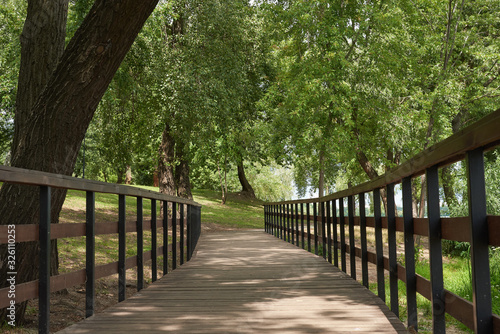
x: 37, y: 178
x: 282, y: 219
x: 189, y: 222
x: 484, y: 133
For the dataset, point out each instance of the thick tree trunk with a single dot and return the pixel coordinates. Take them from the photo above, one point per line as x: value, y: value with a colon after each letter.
x: 182, y: 174
x: 246, y: 187
x: 166, y: 163
x: 49, y: 137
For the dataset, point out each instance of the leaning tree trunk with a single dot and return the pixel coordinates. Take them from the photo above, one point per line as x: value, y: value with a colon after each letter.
x: 246, y: 187
x: 49, y: 137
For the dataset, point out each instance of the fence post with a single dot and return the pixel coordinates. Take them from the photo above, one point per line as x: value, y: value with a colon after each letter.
x: 435, y: 250
x: 140, y: 245
x: 174, y: 235
x: 342, y: 234
x: 411, y: 280
x: 329, y: 230
x: 481, y: 283
x: 393, y: 261
x: 364, y: 245
x: 90, y: 255
x: 378, y: 244
x: 315, y: 217
x: 154, y: 246
x: 121, y: 248
x: 323, y: 229
x: 181, y: 227
x: 352, y: 246
x: 44, y: 271
x: 308, y: 227
x: 165, y: 238
x: 335, y: 235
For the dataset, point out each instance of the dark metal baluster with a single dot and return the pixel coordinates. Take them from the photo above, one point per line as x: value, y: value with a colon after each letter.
x: 323, y: 229
x: 280, y: 212
x: 308, y: 227
x: 44, y: 272
x: 411, y: 279
x: 393, y: 261
x: 302, y: 224
x: 288, y: 222
x: 342, y: 235
x: 379, y: 244
x: 174, y: 235
x: 189, y: 232
x: 297, y: 223
x: 481, y: 285
x: 154, y: 243
x: 315, y: 211
x: 140, y: 245
x: 90, y: 255
x: 435, y: 251
x: 335, y: 235
x: 292, y: 224
x: 364, y: 245
x: 121, y: 248
x: 181, y: 241
x: 352, y: 245
x: 329, y: 230
x: 165, y: 238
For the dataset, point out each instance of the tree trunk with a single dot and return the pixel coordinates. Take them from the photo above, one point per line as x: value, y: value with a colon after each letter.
x: 49, y: 135
x: 246, y: 187
x: 182, y: 174
x: 166, y: 163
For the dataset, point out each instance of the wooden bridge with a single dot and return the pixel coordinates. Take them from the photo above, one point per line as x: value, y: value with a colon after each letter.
x: 248, y: 282
x: 252, y: 282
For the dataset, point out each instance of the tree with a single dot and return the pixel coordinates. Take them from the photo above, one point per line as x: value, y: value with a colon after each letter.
x: 69, y: 94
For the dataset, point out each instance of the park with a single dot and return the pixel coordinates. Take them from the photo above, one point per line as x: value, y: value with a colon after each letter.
x: 326, y: 142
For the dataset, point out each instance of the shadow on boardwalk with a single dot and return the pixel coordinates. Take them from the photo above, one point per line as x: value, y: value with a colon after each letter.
x: 248, y: 282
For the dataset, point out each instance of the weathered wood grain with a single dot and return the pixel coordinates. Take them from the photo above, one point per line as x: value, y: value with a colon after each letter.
x: 248, y: 282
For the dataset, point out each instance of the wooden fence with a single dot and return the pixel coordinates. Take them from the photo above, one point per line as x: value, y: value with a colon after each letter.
x: 184, y: 215
x: 289, y: 221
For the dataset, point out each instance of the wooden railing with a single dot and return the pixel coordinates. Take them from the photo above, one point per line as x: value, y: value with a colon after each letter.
x: 177, y: 213
x: 289, y: 221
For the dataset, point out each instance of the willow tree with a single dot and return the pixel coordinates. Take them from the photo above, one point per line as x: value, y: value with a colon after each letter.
x: 59, y: 89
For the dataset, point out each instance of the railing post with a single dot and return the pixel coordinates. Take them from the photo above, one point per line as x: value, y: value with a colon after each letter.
x: 364, y: 245
x: 121, y: 248
x: 352, y: 245
x: 335, y: 235
x: 308, y: 227
x: 315, y: 211
x: 292, y: 225
x: 140, y: 245
x: 280, y: 223
x: 297, y: 223
x: 378, y: 244
x: 174, y: 235
x: 288, y: 223
x: 181, y: 227
x: 393, y: 261
x: 44, y: 270
x: 154, y: 244
x: 165, y: 238
x: 342, y: 235
x: 435, y: 251
x: 411, y: 280
x: 481, y: 283
x: 189, y: 240
x: 90, y: 255
x: 302, y: 224
x: 329, y: 230
x: 323, y: 229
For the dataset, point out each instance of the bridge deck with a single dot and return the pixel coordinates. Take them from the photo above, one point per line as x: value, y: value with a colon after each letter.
x: 248, y: 282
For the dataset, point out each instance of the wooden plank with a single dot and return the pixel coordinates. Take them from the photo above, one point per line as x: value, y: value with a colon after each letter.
x: 233, y: 284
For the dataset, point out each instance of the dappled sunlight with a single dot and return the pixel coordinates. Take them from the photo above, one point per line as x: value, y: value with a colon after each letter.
x: 248, y: 282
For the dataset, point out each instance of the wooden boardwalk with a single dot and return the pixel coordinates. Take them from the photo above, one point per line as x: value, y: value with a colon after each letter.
x: 248, y: 282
